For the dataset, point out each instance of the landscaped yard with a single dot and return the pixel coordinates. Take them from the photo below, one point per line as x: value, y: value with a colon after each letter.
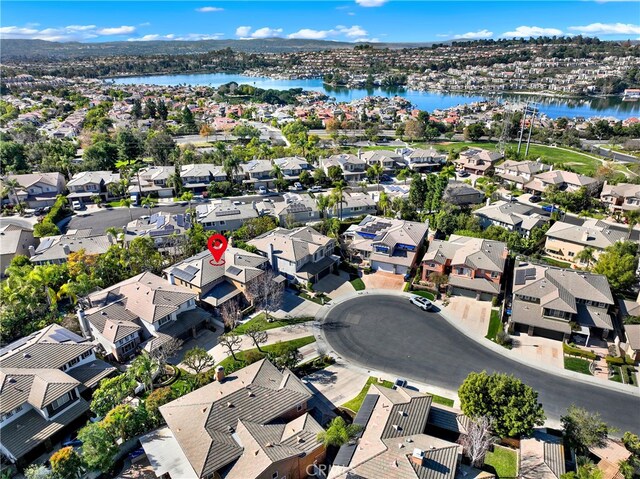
x: 494, y: 325
x: 425, y: 294
x: 229, y: 364
x: 315, y: 299
x: 503, y: 461
x: 555, y: 262
x: 358, y: 284
x: 275, y: 323
x: 355, y: 403
x: 576, y: 364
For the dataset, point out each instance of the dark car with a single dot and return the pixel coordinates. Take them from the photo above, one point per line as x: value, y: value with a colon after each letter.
x: 38, y: 211
x: 385, y: 178
x: 551, y: 209
x: 535, y: 198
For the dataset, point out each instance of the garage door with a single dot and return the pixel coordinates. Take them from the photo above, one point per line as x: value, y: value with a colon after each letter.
x: 377, y: 266
x: 401, y: 270
x: 467, y: 293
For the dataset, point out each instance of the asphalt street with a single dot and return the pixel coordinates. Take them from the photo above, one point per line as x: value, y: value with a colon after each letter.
x: 390, y: 334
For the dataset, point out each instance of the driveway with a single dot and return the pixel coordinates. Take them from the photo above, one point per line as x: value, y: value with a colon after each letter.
x: 473, y: 314
x: 296, y: 307
x: 334, y: 285
x: 387, y: 333
x: 383, y: 280
x: 206, y: 339
x: 337, y: 383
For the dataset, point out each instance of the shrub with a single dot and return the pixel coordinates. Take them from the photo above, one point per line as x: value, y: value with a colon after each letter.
x: 503, y: 339
x: 407, y: 287
x: 251, y: 357
x: 617, y: 361
x: 573, y: 351
x: 495, y: 301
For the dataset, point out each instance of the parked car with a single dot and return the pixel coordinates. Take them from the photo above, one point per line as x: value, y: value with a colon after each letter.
x: 463, y: 174
x: 297, y: 186
x: 551, y: 209
x: 422, y: 303
x: 535, y: 198
x: 385, y: 178
x: 262, y: 190
x: 315, y: 189
x: 38, y: 211
x: 400, y: 383
x: 76, y: 205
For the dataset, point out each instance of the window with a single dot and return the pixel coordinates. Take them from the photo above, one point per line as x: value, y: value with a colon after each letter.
x: 222, y: 223
x: 571, y: 254
x: 164, y: 320
x: 495, y: 274
x: 128, y: 347
x: 275, y: 475
x: 73, y: 361
x: 61, y: 401
x: 299, y: 407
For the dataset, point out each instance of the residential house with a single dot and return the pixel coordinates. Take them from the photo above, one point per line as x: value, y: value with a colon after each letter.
x: 15, y: 239
x: 477, y: 161
x: 461, y: 194
x: 608, y: 458
x: 295, y: 209
x: 510, y: 215
x: 542, y: 456
x: 56, y: 249
x: 301, y: 255
x: 629, y: 339
x: 519, y: 173
x: 164, y: 228
x: 153, y: 181
x: 389, y: 160
x: 43, y: 378
x: 258, y: 173
x: 475, y: 266
x: 251, y: 424
x: 563, y: 181
x: 354, y: 168
x: 36, y: 189
x: 564, y: 241
x: 225, y: 215
x: 555, y: 303
x: 621, y: 197
x: 197, y: 177
x: 144, y: 312
x: 386, y: 244
x: 87, y: 184
x: 354, y: 203
x: 292, y: 166
x: 215, y: 284
x: 421, y: 159
x: 393, y: 443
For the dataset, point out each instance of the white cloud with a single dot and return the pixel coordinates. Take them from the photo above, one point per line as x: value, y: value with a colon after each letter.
x: 123, y: 30
x: 351, y: 14
x: 70, y: 33
x: 366, y: 40
x: 371, y: 3
x: 608, y: 29
x: 443, y: 35
x: 172, y: 36
x: 474, y: 35
x: 209, y: 9
x: 311, y: 34
x: 266, y: 32
x: 525, y: 31
x: 243, y: 31
x: 354, y: 31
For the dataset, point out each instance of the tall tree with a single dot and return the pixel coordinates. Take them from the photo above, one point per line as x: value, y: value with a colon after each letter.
x: 266, y: 293
x: 257, y: 333
x: 478, y: 440
x: 143, y: 368
x: 198, y: 359
x: 584, y: 429
x: 618, y: 263
x: 98, y: 447
x: 231, y: 342
x: 339, y: 433
x: 66, y: 463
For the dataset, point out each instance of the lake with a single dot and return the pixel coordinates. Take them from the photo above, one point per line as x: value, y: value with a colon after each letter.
x: 424, y: 100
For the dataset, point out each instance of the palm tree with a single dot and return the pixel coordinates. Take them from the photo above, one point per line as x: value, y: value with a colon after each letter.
x: 339, y: 433
x: 97, y: 199
x: 174, y: 181
x: 143, y: 368
x: 128, y: 203
x: 448, y: 171
x: 115, y: 232
x: 404, y: 174
x: 232, y: 167
x: 586, y: 256
x: 337, y: 195
x: 67, y: 290
x: 148, y: 202
x: 187, y: 196
x: 324, y: 202
x: 131, y: 166
x: 377, y: 169
x: 11, y: 186
x: 276, y: 172
x: 384, y: 203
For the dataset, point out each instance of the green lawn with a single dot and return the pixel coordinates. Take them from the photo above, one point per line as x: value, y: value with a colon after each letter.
x: 113, y: 204
x: 555, y: 262
x: 576, y: 364
x: 494, y: 325
x: 617, y: 375
x: 358, y: 284
x: 228, y: 363
x: 275, y: 323
x: 314, y: 299
x: 503, y: 461
x: 355, y: 403
x: 442, y: 400
x: 425, y: 294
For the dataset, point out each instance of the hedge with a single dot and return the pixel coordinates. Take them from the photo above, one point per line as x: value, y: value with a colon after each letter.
x: 59, y: 210
x: 619, y: 361
x: 571, y: 351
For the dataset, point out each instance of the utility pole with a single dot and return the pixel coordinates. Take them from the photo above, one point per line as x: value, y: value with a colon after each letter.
x: 522, y: 121
x: 533, y: 118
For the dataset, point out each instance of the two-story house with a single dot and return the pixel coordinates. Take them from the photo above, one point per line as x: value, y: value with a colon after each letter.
x: 291, y: 167
x: 387, y: 158
x: 144, y: 312
x: 354, y: 203
x: 461, y: 194
x: 153, y: 180
x: 295, y: 209
x: 519, y: 173
x: 197, y: 177
x: 254, y: 423
x: 475, y: 266
x: 216, y: 284
x: 225, y: 215
x: 621, y: 197
x: 164, y: 228
x: 421, y: 159
x: 301, y: 255
x: 56, y: 249
x: 477, y: 161
x: 86, y: 184
x: 556, y: 303
x: 563, y: 181
x: 565, y: 241
x: 387, y: 244
x: 43, y: 378
x: 354, y: 168
x: 36, y: 189
x: 15, y: 239
x: 510, y: 215
x: 258, y: 173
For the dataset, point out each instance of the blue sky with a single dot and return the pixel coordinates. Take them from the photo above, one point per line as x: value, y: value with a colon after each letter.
x: 348, y: 20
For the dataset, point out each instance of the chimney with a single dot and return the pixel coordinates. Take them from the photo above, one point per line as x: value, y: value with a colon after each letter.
x: 84, y: 323
x: 32, y: 251
x: 66, y: 250
x: 417, y: 457
x: 220, y: 374
x: 488, y: 202
x: 551, y: 167
x: 359, y: 153
x: 230, y: 241
x: 170, y: 278
x: 270, y: 256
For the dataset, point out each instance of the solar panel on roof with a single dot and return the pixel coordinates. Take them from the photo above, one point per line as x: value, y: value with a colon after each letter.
x: 521, y: 275
x: 62, y: 335
x: 234, y: 271
x: 343, y: 458
x: 191, y: 269
x: 227, y: 212
x: 183, y: 275
x: 180, y: 220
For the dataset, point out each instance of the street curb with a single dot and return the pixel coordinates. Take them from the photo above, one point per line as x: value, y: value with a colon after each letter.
x: 610, y: 385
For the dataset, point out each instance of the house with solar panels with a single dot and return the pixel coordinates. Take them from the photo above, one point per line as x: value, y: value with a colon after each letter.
x: 292, y: 166
x: 224, y: 215
x: 141, y: 313
x: 393, y: 442
x: 56, y: 249
x: 258, y: 173
x: 164, y: 228
x: 46, y: 379
x: 386, y: 244
x: 216, y: 284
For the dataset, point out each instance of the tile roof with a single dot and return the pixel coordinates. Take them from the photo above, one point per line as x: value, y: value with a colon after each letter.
x: 592, y: 233
x: 52, y: 248
x: 292, y: 245
x: 476, y: 253
x: 541, y: 456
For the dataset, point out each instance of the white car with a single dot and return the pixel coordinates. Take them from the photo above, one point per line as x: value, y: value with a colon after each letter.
x: 297, y: 186
x: 315, y: 189
x: 76, y: 205
x: 262, y: 190
x: 422, y: 303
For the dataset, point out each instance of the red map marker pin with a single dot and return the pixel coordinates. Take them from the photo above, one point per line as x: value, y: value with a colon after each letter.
x: 217, y: 244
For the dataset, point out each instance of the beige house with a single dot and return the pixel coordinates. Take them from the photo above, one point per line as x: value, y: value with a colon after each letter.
x: 252, y: 424
x: 87, y: 184
x: 542, y: 456
x: 621, y: 197
x: 563, y: 180
x: 518, y: 173
x: 477, y: 161
x: 36, y: 189
x: 15, y: 239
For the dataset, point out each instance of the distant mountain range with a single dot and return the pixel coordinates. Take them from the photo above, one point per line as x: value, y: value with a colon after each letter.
x: 18, y: 49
